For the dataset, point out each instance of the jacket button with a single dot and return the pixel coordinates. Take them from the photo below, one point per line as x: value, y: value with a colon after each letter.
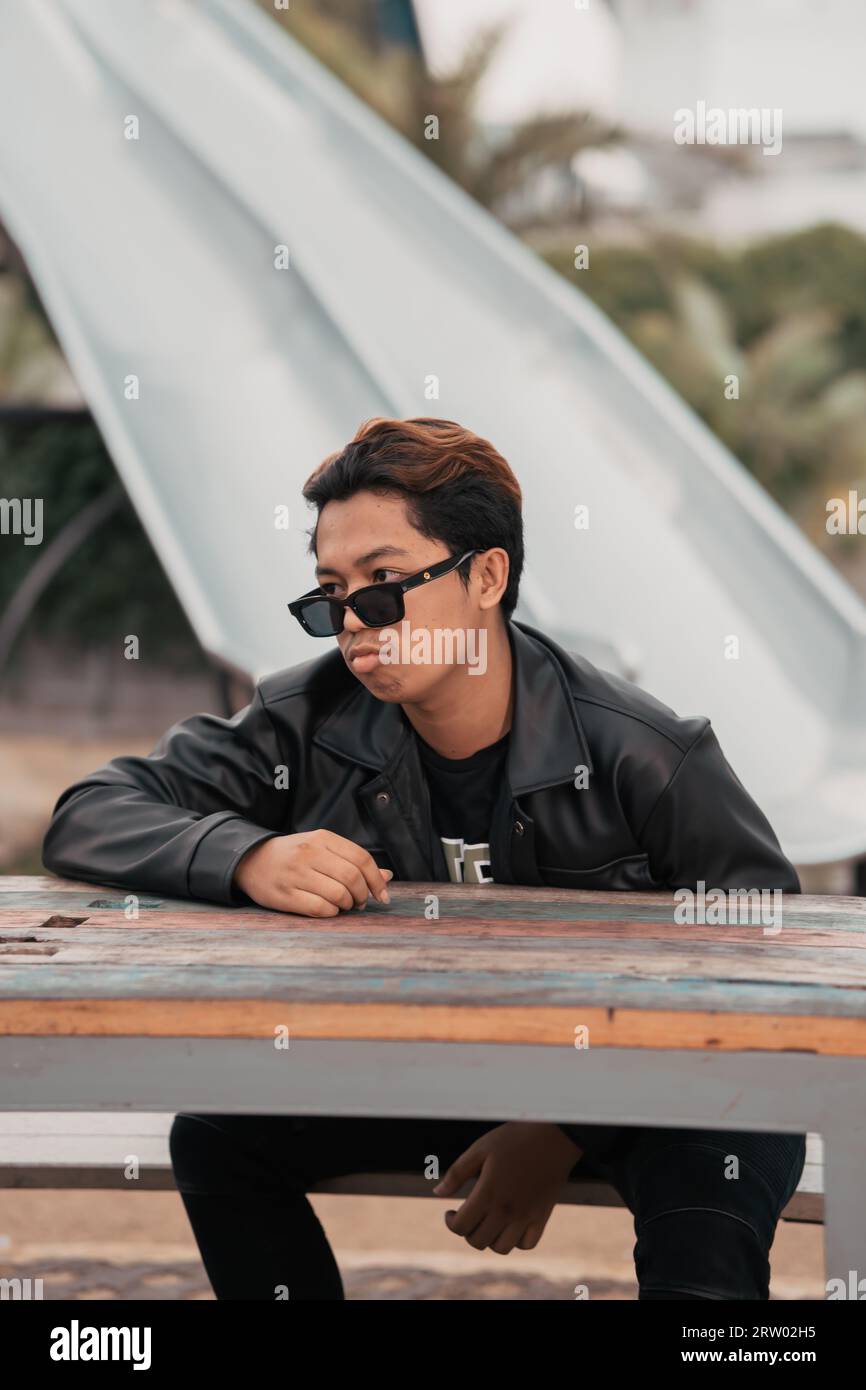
x: 518, y: 827
x: 383, y: 798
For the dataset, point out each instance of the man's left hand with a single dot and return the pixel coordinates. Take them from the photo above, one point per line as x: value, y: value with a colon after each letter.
x: 521, y: 1168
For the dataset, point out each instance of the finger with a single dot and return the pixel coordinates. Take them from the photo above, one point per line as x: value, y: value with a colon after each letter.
x: 461, y: 1170
x: 363, y: 861
x: 332, y: 866
x: 324, y: 886
x: 506, y: 1242
x: 532, y: 1235
x: 472, y: 1212
x: 305, y: 904
x: 488, y: 1230
x: 451, y: 1218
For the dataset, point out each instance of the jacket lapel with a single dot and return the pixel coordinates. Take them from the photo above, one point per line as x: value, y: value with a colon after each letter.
x: 547, y: 742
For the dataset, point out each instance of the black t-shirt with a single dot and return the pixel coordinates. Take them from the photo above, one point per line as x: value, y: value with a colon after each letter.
x: 463, y: 792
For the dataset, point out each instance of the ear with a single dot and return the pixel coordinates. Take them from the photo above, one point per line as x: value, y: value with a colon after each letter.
x: 492, y: 572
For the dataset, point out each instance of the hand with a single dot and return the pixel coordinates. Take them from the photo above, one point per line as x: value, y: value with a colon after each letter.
x: 521, y: 1170
x: 314, y: 873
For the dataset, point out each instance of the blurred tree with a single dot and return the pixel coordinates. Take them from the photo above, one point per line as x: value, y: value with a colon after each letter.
x: 787, y: 317
x: 350, y: 38
x: 32, y: 367
x: 114, y: 584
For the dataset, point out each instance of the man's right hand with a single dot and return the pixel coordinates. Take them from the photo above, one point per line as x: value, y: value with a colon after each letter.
x: 314, y: 874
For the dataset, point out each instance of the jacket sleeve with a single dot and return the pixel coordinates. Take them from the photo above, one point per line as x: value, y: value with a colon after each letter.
x: 706, y: 826
x: 179, y: 820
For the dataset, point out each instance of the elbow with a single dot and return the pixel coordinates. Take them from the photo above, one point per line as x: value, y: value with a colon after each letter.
x: 66, y: 842
x: 53, y: 858
x: 58, y: 844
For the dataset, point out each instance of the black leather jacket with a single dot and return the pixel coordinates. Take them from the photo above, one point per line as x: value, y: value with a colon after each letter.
x: 661, y: 809
x: 660, y: 806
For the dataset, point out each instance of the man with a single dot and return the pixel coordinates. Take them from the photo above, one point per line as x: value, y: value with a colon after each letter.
x: 498, y: 758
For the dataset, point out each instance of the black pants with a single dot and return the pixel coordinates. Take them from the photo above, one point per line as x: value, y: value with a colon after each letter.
x: 705, y: 1204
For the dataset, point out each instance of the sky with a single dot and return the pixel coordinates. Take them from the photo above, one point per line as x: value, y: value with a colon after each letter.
x: 803, y: 55
x: 556, y: 56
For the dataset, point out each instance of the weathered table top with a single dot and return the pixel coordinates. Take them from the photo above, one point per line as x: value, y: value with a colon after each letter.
x: 500, y: 964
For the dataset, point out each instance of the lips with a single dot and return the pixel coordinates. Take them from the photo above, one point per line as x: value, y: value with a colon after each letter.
x: 363, y: 659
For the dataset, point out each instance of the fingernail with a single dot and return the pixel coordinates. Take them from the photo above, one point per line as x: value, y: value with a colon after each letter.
x: 384, y: 896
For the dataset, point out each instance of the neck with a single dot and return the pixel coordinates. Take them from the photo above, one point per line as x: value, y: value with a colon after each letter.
x: 467, y: 712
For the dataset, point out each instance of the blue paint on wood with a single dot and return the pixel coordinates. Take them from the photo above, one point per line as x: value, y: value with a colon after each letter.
x: 353, y: 984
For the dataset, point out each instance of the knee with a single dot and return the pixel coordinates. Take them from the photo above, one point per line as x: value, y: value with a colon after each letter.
x: 700, y: 1253
x: 703, y: 1227
x: 197, y: 1150
x: 209, y: 1156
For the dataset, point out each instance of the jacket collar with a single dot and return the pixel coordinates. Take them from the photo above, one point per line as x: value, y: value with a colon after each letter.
x: 547, y: 738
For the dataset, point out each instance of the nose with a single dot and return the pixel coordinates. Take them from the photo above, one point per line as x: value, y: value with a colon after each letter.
x: 351, y: 622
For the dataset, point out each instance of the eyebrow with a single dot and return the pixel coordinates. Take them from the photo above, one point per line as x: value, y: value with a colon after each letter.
x: 363, y: 560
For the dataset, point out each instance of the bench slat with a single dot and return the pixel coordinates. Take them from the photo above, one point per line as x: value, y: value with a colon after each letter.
x: 90, y: 1152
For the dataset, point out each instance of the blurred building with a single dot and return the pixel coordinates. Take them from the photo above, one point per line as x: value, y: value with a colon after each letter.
x: 634, y: 63
x: 794, y: 54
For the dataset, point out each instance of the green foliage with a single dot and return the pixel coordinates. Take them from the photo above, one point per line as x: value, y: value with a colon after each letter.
x: 787, y: 316
x: 114, y: 583
x: 622, y: 281
x: 395, y: 82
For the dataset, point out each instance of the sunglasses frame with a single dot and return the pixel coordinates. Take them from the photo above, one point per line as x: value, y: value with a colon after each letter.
x: 398, y: 587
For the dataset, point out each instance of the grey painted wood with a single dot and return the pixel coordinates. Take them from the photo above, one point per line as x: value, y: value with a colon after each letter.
x: 792, y: 1092
x: 785, y: 1092
x: 92, y: 1151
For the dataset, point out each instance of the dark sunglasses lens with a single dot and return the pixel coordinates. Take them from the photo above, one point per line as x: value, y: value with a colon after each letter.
x: 379, y: 608
x: 323, y: 619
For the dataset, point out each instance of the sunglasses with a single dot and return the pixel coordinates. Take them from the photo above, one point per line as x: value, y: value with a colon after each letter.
x: 377, y: 605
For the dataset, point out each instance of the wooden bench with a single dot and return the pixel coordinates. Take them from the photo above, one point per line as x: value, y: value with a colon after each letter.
x: 486, y: 1007
x: 61, y: 1150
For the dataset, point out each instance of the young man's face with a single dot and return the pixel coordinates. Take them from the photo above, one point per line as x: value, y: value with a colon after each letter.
x: 368, y: 539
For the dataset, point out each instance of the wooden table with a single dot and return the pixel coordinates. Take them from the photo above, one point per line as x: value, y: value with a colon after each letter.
x: 477, y: 1012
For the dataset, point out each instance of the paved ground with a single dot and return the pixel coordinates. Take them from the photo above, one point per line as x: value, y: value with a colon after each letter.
x: 36, y: 769
x: 178, y: 1281
x: 139, y: 1246
x: 186, y: 1281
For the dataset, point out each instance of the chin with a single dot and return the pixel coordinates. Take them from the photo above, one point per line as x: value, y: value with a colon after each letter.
x: 383, y: 685
x: 414, y: 687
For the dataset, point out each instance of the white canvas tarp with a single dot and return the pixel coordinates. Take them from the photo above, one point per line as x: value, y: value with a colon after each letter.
x: 157, y: 258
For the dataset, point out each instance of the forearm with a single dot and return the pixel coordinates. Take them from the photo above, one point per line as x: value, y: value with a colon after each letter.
x: 116, y: 835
